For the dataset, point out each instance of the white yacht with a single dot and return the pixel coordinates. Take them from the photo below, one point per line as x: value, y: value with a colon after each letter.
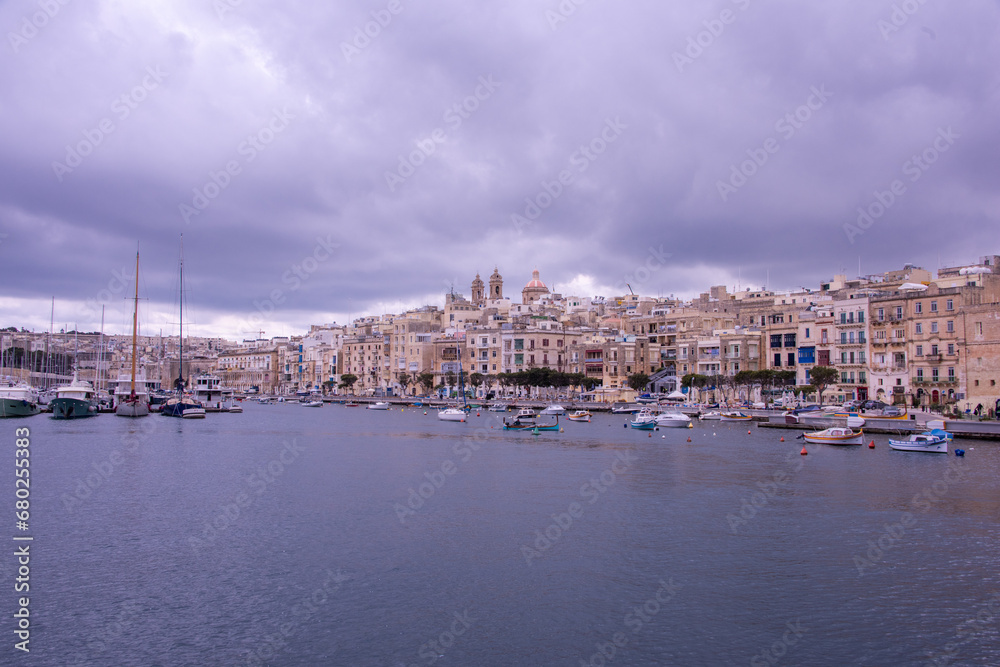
x: 673, y: 419
x: 74, y: 400
x: 208, y: 391
x: 452, y: 415
x: 554, y: 410
x: 20, y: 400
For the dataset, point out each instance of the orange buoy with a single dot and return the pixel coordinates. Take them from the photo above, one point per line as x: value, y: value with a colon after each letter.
x: 782, y: 438
x: 477, y: 414
x: 748, y: 432
x: 803, y: 452
x: 650, y: 435
x: 871, y: 445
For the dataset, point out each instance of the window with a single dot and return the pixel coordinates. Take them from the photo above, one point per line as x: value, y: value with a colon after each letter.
x: 789, y: 340
x: 920, y: 350
x: 518, y: 343
x: 951, y: 348
x: 545, y: 342
x: 934, y: 327
x: 776, y: 340
x: 949, y: 326
x: 861, y: 357
x: 843, y: 357
x: 899, y: 312
x: 807, y: 332
x: 777, y: 360
x: 862, y: 377
x: 880, y: 314
x: 918, y: 328
x: 791, y: 358
x: 518, y: 359
x: 843, y: 338
x: 949, y: 304
x: 979, y: 328
x: 951, y: 374
x: 920, y: 375
x: 934, y: 349
x: 933, y: 306
x: 861, y: 336
x: 934, y: 375
x: 861, y: 316
x: 918, y: 307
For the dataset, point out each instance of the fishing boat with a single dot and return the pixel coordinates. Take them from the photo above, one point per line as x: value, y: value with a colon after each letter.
x: 836, y: 435
x: 182, y: 404
x: 711, y: 415
x: 236, y: 408
x: 554, y: 410
x: 579, y: 416
x: 136, y: 402
x: 18, y: 400
x: 922, y: 442
x: 673, y: 419
x: 311, y: 404
x: 352, y: 404
x: 735, y: 416
x: 381, y: 405
x: 74, y: 401
x: 645, y: 421
x: 498, y: 407
x: 624, y: 409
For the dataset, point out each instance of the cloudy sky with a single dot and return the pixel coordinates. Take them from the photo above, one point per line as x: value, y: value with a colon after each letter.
x: 327, y: 160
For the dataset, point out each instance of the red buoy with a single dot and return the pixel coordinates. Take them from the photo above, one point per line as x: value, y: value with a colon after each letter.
x: 871, y: 445
x: 782, y: 438
x: 689, y: 439
x: 748, y: 432
x: 803, y: 452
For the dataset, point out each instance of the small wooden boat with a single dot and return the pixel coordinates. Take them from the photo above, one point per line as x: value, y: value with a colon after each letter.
x: 579, y: 416
x: 735, y: 416
x: 836, y: 435
x: 922, y: 442
x: 523, y: 425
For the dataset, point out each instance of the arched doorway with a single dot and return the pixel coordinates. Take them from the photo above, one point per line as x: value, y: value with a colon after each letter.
x: 935, y: 396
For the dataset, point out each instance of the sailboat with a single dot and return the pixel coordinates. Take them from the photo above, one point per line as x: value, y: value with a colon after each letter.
x: 135, y: 403
x: 182, y: 405
x: 455, y: 413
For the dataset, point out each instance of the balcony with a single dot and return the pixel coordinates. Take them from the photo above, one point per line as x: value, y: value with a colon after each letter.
x: 933, y: 358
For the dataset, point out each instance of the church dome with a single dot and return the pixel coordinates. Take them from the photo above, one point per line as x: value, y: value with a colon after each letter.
x: 535, y: 281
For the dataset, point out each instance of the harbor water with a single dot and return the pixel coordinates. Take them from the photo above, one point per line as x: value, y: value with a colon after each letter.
x: 288, y: 535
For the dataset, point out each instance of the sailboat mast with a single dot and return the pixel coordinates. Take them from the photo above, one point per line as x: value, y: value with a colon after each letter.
x: 48, y: 362
x: 180, y: 365
x: 135, y: 323
x: 100, y: 353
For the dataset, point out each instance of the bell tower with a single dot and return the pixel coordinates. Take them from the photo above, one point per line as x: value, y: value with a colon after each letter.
x: 478, y: 292
x: 496, y: 284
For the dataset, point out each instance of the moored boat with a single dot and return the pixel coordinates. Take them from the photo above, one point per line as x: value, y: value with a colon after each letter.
x: 580, y: 416
x: 673, y: 419
x: 452, y: 415
x: 498, y: 407
x: 529, y: 425
x: 20, y: 400
x: 735, y: 416
x: 526, y: 415
x: 836, y: 435
x: 922, y: 442
x: 381, y: 405
x: 134, y: 402
x: 645, y: 421
x: 711, y: 415
x: 74, y: 401
x: 554, y: 410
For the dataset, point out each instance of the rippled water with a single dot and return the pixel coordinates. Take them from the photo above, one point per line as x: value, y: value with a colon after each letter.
x: 290, y: 536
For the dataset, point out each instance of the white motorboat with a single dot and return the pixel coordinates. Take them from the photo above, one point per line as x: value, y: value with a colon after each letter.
x: 498, y: 407
x: 712, y: 415
x: 312, y: 404
x: 526, y: 415
x: 452, y: 415
x: 381, y: 405
x: 236, y: 408
x: 20, y: 400
x: 580, y: 416
x: 673, y: 419
x: 922, y: 442
x: 554, y: 410
x: 193, y: 413
x: 208, y: 391
x: 645, y: 420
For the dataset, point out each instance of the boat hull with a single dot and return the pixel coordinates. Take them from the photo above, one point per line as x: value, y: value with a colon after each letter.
x: 452, y: 416
x: 16, y: 407
x: 72, y: 408
x: 939, y: 447
x: 833, y: 440
x: 673, y: 422
x: 132, y: 409
x: 178, y: 408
